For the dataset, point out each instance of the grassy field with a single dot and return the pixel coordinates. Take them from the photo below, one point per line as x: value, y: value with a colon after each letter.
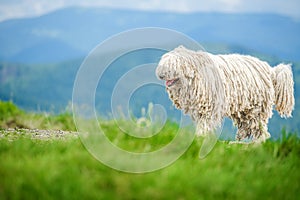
x: 61, y: 168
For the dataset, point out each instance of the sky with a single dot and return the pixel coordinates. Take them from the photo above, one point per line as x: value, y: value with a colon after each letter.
x: 10, y: 9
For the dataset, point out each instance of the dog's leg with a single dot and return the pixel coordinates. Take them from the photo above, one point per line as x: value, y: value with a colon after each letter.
x: 262, y: 134
x: 252, y: 129
x: 244, y: 132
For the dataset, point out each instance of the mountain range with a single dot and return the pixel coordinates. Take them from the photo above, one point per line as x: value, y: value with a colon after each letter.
x: 40, y: 56
x: 72, y: 32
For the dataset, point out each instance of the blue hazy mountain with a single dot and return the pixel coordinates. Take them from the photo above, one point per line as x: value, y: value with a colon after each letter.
x: 72, y: 32
x: 40, y: 56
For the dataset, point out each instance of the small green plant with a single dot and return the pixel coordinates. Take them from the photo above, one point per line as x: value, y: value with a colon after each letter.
x: 287, y: 144
x: 13, y: 117
x: 9, y: 110
x: 10, y: 115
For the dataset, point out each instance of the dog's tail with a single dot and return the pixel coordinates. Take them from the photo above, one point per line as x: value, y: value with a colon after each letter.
x: 284, y: 89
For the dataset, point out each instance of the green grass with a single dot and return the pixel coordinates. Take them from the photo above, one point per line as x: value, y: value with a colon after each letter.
x: 63, y: 169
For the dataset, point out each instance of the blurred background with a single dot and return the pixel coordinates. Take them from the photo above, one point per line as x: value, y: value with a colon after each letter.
x: 43, y: 43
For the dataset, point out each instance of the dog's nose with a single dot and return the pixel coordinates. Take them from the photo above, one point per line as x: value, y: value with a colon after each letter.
x: 161, y: 76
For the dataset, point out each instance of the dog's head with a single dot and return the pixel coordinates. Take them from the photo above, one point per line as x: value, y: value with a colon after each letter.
x: 175, y: 68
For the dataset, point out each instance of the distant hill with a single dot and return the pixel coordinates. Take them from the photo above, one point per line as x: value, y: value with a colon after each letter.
x: 67, y: 33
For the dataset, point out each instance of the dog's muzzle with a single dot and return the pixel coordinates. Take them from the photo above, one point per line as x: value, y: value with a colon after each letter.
x: 171, y: 82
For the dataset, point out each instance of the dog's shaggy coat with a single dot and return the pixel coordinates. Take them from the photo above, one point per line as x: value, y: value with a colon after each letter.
x: 210, y: 87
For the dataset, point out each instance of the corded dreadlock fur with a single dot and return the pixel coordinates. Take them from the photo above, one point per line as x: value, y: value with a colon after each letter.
x: 210, y: 87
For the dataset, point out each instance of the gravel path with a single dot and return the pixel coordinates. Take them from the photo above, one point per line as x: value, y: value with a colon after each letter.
x: 13, y: 133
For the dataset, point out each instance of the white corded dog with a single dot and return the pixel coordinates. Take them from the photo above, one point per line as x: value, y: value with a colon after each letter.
x: 210, y: 87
